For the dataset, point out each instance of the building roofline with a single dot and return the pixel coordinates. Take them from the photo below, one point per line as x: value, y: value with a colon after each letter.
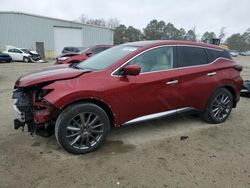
x: 58, y: 19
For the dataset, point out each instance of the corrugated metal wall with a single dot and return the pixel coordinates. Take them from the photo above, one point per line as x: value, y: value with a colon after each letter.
x: 24, y: 30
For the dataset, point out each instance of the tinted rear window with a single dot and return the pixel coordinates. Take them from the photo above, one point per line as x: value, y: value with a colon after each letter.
x: 191, y: 56
x: 226, y: 54
x: 214, y: 54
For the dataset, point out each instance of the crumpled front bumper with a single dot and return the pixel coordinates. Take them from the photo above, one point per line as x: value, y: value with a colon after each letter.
x: 30, y: 112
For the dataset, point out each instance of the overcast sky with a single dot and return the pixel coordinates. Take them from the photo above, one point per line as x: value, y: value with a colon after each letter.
x: 205, y: 15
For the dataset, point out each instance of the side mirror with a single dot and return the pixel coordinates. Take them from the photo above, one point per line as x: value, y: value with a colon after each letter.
x: 89, y: 53
x: 132, y: 70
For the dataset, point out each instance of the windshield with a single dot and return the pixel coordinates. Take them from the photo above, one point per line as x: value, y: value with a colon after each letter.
x: 25, y: 51
x: 106, y: 58
x: 84, y: 49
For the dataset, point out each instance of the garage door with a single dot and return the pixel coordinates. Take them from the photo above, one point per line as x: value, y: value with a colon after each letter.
x: 66, y: 37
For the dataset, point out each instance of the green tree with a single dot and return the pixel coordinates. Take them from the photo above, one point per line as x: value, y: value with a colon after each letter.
x: 172, y: 33
x: 208, y: 36
x: 180, y: 34
x: 154, y: 30
x: 120, y: 34
x: 246, y: 36
x: 237, y: 42
x: 190, y: 35
x: 133, y: 34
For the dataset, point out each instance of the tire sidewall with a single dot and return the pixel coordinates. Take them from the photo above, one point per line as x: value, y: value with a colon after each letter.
x: 26, y: 59
x: 211, y: 100
x: 70, y: 112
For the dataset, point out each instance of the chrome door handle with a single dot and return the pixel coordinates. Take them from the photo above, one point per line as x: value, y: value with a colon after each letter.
x: 172, y: 82
x: 211, y: 73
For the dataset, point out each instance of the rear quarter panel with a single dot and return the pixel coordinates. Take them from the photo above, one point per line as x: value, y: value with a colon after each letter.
x: 197, y: 86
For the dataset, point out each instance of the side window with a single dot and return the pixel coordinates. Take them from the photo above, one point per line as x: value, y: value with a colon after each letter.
x: 226, y: 54
x: 75, y: 49
x: 213, y: 54
x: 18, y: 51
x: 11, y: 50
x: 161, y: 58
x: 191, y: 56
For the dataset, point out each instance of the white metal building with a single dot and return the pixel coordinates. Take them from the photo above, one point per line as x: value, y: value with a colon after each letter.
x: 27, y: 30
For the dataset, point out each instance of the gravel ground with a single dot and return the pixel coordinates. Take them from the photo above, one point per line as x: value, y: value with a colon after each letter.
x: 149, y: 154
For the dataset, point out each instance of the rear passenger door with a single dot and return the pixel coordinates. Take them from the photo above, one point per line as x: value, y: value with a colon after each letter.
x: 196, y: 76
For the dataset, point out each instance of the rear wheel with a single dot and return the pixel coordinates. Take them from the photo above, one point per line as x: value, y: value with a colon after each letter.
x: 219, y: 106
x: 82, y: 128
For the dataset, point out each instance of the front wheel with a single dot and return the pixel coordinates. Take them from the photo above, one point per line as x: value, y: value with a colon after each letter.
x: 219, y: 106
x: 82, y: 128
x: 26, y: 59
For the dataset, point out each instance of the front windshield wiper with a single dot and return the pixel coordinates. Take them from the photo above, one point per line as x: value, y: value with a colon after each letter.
x: 75, y: 67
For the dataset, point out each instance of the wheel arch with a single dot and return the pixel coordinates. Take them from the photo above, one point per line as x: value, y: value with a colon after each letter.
x: 107, y: 108
x: 232, y: 90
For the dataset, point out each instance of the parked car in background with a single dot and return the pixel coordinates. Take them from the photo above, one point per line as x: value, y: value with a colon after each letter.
x: 247, y: 53
x: 234, y: 53
x: 5, y: 57
x: 126, y: 84
x: 23, y: 54
x: 71, y: 49
x: 75, y: 58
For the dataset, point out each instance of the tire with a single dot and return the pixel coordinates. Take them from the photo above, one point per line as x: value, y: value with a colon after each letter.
x: 219, y: 106
x: 26, y: 60
x: 79, y: 138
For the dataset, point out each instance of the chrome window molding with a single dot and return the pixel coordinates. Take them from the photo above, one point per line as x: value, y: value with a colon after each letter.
x: 167, y: 45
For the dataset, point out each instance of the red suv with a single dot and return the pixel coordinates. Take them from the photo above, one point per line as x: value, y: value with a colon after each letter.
x: 75, y: 58
x: 124, y: 84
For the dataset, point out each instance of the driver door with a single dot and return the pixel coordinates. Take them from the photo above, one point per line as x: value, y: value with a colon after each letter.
x: 154, y: 89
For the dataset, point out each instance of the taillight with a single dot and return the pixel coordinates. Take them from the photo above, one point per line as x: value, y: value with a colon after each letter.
x: 238, y: 67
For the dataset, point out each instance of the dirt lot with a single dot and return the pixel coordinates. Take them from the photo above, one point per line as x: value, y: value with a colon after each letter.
x: 144, y: 155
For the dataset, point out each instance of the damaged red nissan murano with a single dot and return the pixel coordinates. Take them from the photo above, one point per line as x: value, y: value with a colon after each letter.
x: 124, y: 84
